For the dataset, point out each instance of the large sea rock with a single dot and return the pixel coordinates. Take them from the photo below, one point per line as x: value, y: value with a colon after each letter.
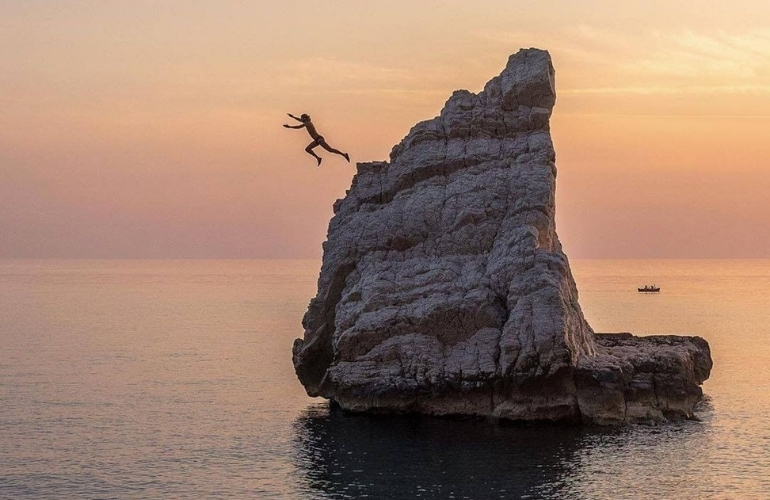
x: 444, y: 289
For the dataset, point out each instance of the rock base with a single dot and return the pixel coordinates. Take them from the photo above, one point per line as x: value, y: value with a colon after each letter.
x: 631, y: 379
x: 642, y: 379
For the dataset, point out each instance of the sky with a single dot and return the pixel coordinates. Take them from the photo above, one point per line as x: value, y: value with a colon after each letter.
x: 152, y: 129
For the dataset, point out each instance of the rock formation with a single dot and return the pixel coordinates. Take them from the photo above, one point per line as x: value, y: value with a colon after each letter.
x: 444, y: 289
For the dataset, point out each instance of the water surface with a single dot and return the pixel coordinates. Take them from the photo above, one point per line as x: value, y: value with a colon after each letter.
x: 173, y: 379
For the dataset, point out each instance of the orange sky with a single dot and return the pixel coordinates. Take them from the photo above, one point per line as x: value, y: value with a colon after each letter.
x: 138, y: 128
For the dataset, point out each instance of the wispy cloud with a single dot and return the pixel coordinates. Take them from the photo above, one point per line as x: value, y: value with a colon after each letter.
x: 673, y: 90
x: 695, y: 55
x: 332, y: 77
x: 331, y: 73
x: 652, y: 62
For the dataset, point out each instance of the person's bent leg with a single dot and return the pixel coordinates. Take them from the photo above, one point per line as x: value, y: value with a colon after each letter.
x: 309, y: 150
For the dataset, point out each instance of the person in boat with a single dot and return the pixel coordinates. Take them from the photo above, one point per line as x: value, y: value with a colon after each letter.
x: 318, y: 139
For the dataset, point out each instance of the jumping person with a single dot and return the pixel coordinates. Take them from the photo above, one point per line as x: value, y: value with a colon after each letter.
x: 318, y: 139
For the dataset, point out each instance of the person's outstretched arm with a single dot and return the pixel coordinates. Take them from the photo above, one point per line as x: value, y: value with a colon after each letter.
x: 299, y: 120
x: 294, y: 126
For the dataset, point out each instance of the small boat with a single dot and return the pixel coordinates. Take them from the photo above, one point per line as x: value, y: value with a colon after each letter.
x: 648, y: 289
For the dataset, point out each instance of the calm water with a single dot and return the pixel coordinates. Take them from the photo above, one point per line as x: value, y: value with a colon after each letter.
x: 173, y: 379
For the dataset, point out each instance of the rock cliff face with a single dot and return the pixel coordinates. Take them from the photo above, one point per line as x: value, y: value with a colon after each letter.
x: 444, y: 289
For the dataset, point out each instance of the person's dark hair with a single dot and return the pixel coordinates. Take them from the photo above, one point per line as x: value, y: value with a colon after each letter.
x: 304, y: 117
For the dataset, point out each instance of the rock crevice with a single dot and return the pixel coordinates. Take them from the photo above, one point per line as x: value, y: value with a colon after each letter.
x: 444, y: 288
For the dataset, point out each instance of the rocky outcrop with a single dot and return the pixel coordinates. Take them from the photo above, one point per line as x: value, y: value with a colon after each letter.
x: 641, y: 379
x: 444, y: 288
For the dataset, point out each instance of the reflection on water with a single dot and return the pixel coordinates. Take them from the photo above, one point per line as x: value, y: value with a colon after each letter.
x: 349, y: 456
x: 341, y: 456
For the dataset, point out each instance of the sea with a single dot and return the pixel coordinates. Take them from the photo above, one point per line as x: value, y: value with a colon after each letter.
x: 172, y: 379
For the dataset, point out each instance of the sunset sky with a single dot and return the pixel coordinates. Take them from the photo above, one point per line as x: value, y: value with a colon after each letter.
x: 152, y: 129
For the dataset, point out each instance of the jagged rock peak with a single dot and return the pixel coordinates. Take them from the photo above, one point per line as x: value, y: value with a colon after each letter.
x: 521, y: 98
x: 444, y: 288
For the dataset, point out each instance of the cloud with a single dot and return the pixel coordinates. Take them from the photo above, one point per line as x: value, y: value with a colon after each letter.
x: 673, y: 90
x: 692, y: 55
x: 606, y: 61
x: 330, y: 77
x: 331, y: 73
